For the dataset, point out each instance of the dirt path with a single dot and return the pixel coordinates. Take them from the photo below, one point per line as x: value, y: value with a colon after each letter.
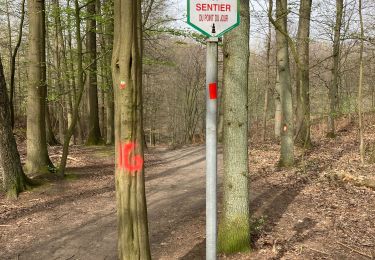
x: 76, y: 219
x: 300, y: 213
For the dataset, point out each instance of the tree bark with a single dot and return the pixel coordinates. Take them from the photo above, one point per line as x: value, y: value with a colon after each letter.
x: 360, y: 89
x: 303, y: 75
x: 333, y: 90
x: 268, y: 84
x: 13, y: 63
x: 234, y: 227
x: 14, y: 179
x: 37, y: 154
x: 94, y: 135
x: 81, y: 87
x: 278, y: 114
x: 58, y: 60
x: 287, y: 142
x: 133, y: 242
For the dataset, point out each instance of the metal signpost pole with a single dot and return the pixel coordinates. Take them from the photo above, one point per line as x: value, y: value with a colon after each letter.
x: 212, y: 19
x: 211, y: 147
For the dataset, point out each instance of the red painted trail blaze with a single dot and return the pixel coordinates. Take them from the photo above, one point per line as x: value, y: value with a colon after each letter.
x: 122, y: 85
x: 126, y: 161
x: 212, y: 87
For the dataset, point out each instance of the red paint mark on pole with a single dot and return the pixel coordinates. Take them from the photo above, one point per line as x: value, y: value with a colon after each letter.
x: 127, y: 161
x: 212, y: 87
x: 122, y: 85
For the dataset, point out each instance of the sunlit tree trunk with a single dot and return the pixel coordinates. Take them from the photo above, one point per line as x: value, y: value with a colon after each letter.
x: 37, y: 154
x: 234, y: 230
x: 133, y: 242
x: 14, y: 179
x: 303, y: 75
x: 333, y: 90
x: 277, y: 108
x: 287, y: 127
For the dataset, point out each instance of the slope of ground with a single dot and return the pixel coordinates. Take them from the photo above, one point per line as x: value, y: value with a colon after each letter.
x: 306, y: 212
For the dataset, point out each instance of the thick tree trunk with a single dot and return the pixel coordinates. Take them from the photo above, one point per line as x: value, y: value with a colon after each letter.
x: 133, y: 242
x: 303, y: 75
x: 333, y: 90
x: 287, y: 142
x: 94, y: 135
x: 14, y: 179
x: 37, y: 154
x: 234, y: 227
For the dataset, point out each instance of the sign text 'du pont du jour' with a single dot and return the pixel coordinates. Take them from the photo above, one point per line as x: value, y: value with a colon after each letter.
x: 213, y: 17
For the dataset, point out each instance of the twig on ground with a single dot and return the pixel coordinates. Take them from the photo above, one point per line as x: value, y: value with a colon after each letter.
x: 318, y: 251
x: 355, y: 250
x: 69, y: 158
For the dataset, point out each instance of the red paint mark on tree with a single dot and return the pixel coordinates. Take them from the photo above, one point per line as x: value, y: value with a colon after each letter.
x: 126, y: 160
x: 122, y: 85
x: 212, y: 87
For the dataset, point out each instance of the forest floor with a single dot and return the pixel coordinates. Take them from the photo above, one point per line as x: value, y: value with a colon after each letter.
x: 321, y: 209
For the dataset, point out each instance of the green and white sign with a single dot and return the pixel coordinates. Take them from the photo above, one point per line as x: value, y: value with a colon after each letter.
x: 213, y: 18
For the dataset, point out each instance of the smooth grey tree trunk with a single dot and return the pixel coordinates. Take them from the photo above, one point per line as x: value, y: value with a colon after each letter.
x: 333, y: 90
x: 303, y: 75
x: 287, y: 125
x: 234, y: 230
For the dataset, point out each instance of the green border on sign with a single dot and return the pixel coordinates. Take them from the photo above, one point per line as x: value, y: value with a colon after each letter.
x: 209, y: 34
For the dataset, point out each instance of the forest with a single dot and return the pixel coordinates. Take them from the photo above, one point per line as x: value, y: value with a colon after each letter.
x: 110, y: 120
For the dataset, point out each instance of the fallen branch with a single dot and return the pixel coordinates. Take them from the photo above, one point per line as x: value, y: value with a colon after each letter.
x: 355, y: 250
x: 69, y: 158
x: 318, y: 251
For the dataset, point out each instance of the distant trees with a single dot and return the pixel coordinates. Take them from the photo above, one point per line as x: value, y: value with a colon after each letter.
x: 235, y: 219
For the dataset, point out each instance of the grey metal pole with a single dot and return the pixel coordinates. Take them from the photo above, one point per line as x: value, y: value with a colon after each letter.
x: 211, y: 147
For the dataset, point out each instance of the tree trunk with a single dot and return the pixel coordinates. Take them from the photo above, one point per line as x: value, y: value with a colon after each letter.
x: 133, y: 242
x: 108, y: 39
x: 59, y: 83
x: 37, y: 154
x: 94, y: 135
x: 81, y: 87
x: 50, y: 137
x: 287, y: 142
x: 234, y: 227
x: 268, y: 84
x: 13, y: 64
x: 278, y: 114
x: 303, y: 75
x: 333, y: 90
x: 14, y: 179
x: 360, y: 89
